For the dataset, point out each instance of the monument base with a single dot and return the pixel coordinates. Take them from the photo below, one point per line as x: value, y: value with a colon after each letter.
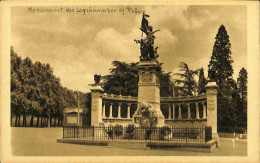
x: 215, y: 137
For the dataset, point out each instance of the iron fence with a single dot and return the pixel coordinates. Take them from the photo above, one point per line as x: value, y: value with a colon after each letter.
x: 176, y: 134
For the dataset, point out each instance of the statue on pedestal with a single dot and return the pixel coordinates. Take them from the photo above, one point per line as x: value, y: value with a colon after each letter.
x: 97, y: 79
x: 148, y: 52
x: 97, y: 84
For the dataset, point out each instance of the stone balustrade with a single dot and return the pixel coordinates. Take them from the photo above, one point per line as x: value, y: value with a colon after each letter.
x: 180, y: 103
x: 175, y: 105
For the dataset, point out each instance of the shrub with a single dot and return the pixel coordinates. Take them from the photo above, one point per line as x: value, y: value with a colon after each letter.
x: 130, y: 128
x: 109, y: 131
x: 118, y: 130
x: 165, y: 130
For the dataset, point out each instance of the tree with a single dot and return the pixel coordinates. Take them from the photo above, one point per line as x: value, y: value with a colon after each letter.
x: 202, y: 82
x: 188, y: 83
x: 123, y: 79
x: 37, y: 92
x: 221, y: 61
x: 166, y: 84
x: 242, y: 88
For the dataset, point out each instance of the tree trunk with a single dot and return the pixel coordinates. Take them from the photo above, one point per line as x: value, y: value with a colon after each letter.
x: 46, y: 122
x: 19, y: 119
x: 41, y: 121
x: 16, y: 119
x: 54, y: 122
x: 31, y: 123
x: 58, y: 121
x: 24, y: 120
x: 37, y: 123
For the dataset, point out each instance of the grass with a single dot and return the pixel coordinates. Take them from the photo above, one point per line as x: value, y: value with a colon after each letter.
x: 43, y: 142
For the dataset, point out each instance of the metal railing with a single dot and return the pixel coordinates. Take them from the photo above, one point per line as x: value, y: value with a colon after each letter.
x: 173, y: 134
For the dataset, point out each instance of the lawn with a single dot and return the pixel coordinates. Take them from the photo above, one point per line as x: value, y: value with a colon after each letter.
x: 43, y: 142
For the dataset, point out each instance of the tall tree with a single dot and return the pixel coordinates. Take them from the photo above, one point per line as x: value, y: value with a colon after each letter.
x: 202, y: 82
x: 187, y: 81
x: 122, y: 80
x: 242, y: 89
x: 37, y: 92
x: 166, y: 84
x: 221, y: 61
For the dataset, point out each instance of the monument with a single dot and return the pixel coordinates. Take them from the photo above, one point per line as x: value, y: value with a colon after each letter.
x: 212, y: 90
x: 149, y: 68
x: 96, y: 102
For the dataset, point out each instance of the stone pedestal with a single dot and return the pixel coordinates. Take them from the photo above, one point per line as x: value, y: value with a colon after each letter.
x: 211, y: 91
x: 149, y: 87
x: 96, y: 105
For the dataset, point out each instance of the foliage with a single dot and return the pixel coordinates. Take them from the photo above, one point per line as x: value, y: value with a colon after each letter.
x: 123, y: 80
x: 242, y: 90
x: 202, y: 82
x: 229, y: 97
x: 188, y: 83
x: 109, y: 131
x: 221, y: 61
x: 166, y: 84
x: 130, y: 128
x: 165, y: 130
x: 118, y: 130
x: 36, y: 91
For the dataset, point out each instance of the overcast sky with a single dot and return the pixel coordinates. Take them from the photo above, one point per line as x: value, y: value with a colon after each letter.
x: 79, y: 45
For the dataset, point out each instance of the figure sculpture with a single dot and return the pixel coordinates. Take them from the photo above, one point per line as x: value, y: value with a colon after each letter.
x: 146, y: 45
x: 97, y: 79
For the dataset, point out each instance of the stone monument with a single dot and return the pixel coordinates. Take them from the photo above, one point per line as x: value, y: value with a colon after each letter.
x: 96, y: 102
x: 149, y: 68
x: 211, y: 91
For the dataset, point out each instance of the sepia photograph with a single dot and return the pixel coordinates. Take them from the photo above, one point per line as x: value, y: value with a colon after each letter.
x: 130, y: 80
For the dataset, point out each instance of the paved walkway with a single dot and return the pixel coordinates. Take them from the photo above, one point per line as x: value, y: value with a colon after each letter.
x: 43, y: 142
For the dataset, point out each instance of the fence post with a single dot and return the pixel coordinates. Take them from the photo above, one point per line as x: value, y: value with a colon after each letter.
x: 186, y: 134
x: 93, y: 132
x: 74, y: 128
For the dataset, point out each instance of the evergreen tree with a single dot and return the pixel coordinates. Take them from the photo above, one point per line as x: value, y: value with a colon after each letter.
x: 202, y: 82
x: 123, y: 80
x: 188, y: 83
x: 221, y: 61
x: 242, y: 89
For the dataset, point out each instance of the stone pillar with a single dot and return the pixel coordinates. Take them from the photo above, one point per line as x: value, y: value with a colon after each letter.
x: 104, y: 110
x: 173, y: 111
x: 212, y: 89
x: 197, y: 110
x: 128, y: 110
x: 119, y: 110
x: 179, y: 105
x: 189, y: 115
x: 170, y: 111
x: 204, y: 110
x: 96, y: 105
x: 110, y: 110
x: 149, y: 87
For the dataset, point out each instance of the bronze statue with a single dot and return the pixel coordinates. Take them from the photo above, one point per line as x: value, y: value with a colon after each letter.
x: 97, y: 79
x: 146, y: 45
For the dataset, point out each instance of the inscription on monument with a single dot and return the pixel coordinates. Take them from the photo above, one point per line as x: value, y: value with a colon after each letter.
x: 211, y: 103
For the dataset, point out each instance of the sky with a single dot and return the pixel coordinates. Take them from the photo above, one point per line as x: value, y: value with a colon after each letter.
x: 79, y: 44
